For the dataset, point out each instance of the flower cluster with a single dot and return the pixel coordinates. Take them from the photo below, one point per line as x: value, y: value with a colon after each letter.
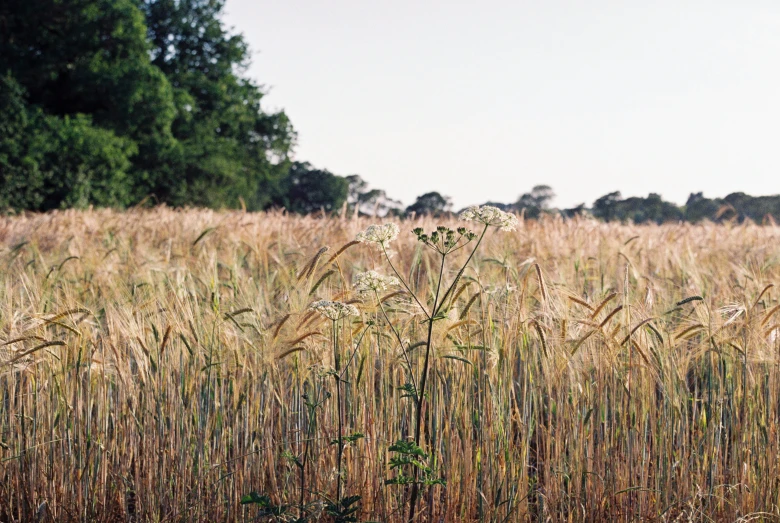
x: 443, y: 239
x: 379, y: 234
x: 490, y: 215
x: 334, y: 310
x: 373, y: 281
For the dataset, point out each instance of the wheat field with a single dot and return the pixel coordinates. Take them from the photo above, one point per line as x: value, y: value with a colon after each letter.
x: 154, y: 365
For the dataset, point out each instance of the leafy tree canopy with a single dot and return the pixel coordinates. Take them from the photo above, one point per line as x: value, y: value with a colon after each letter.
x: 431, y: 203
x: 639, y: 210
x: 535, y: 202
x: 372, y: 202
x: 308, y: 190
x: 229, y: 147
x: 108, y: 101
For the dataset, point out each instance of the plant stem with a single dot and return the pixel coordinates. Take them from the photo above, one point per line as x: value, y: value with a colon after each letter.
x: 460, y: 272
x: 403, y: 282
x: 337, y: 377
x: 400, y: 341
x: 312, y: 413
x: 423, y: 382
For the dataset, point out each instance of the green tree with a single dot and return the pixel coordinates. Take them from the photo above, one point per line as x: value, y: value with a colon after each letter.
x: 650, y: 209
x: 571, y: 212
x: 535, y: 202
x: 135, y: 98
x: 87, y: 57
x: 230, y: 148
x: 744, y: 206
x: 306, y: 190
x: 373, y: 202
x: 636, y: 209
x: 80, y: 100
x: 606, y: 207
x: 431, y: 203
x: 699, y: 208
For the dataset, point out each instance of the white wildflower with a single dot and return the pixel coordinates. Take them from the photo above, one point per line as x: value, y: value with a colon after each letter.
x: 380, y: 234
x: 373, y: 281
x: 334, y: 310
x: 490, y: 215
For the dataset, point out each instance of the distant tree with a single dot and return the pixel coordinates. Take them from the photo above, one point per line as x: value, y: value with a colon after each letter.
x: 540, y: 197
x: 431, y: 203
x: 756, y: 208
x: 373, y: 202
x: 699, y: 208
x: 606, y: 207
x: 307, y: 190
x: 579, y: 210
x: 87, y: 57
x: 503, y: 206
x: 356, y: 189
x: 537, y: 201
x: 650, y: 209
x: 636, y: 209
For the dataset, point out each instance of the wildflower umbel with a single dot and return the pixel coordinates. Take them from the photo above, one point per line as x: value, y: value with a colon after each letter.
x: 334, y: 310
x: 373, y: 281
x: 490, y: 215
x: 382, y: 235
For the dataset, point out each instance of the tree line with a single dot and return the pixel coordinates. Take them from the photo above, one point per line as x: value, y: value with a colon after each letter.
x: 736, y: 206
x: 613, y: 207
x: 120, y: 102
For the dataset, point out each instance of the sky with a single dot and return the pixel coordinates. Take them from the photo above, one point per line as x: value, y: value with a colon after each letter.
x: 483, y: 100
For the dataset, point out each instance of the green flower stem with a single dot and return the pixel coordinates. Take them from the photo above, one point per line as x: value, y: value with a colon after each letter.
x: 357, y: 346
x: 460, y: 272
x: 403, y: 282
x: 337, y: 376
x: 437, y: 305
x: 400, y: 341
x: 423, y: 382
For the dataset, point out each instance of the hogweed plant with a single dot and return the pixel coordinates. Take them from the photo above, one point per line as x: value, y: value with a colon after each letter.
x: 444, y: 242
x: 335, y: 311
x: 341, y: 509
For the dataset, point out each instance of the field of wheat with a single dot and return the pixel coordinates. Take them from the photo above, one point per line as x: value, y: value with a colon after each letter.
x: 161, y: 365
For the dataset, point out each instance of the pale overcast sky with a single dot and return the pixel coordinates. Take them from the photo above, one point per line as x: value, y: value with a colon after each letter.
x: 483, y: 100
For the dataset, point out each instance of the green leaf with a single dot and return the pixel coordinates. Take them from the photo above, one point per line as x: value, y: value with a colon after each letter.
x: 253, y: 498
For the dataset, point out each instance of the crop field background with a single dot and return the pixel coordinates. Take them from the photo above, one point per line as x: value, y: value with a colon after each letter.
x: 154, y: 362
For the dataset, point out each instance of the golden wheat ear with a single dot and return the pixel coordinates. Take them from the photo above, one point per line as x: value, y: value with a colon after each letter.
x: 310, y: 267
x: 601, y: 305
x: 338, y: 253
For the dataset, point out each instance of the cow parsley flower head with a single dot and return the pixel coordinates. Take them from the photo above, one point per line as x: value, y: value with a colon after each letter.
x: 373, y: 281
x: 334, y: 310
x: 382, y: 235
x: 490, y: 215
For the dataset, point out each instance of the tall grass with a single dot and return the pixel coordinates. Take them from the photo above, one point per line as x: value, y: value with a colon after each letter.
x: 154, y: 365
